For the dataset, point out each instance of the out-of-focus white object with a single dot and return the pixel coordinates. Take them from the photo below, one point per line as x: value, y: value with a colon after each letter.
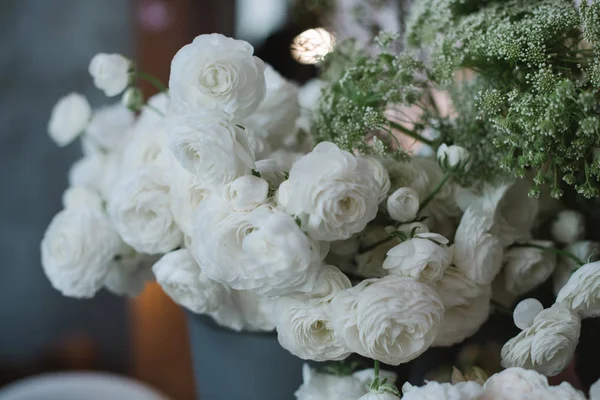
x: 312, y: 45
x: 79, y: 386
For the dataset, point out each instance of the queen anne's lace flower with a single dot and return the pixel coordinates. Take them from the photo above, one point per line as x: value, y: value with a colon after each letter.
x: 393, y: 319
x: 582, y: 291
x: 548, y: 345
x: 215, y: 72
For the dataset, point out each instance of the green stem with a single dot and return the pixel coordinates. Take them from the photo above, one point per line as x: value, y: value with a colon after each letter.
x: 410, y: 133
x: 551, y: 250
x: 501, y: 308
x: 376, y: 368
x: 154, y: 81
x: 435, y: 191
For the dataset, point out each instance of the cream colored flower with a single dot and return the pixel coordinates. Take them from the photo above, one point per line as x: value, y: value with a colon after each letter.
x: 581, y: 294
x: 403, y: 204
x: 110, y: 73
x: 513, y: 383
x: 69, y: 118
x: 548, y: 345
x: 526, y: 268
x: 568, y: 227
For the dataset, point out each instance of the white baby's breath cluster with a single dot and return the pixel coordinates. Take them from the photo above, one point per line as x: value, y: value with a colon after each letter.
x: 211, y: 191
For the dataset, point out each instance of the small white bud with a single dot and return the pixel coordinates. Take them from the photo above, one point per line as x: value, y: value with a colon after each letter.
x: 403, y: 204
x: 453, y: 157
x: 525, y: 312
x: 133, y: 99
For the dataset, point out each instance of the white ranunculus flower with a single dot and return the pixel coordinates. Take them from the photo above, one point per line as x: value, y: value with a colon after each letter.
x: 393, y: 319
x: 246, y: 311
x: 147, y: 145
x: 156, y: 109
x: 272, y: 171
x: 466, y: 306
x: 185, y: 194
x: 379, y: 172
x: 69, y: 118
x: 513, y: 383
x: 525, y: 312
x: 403, y: 204
x: 140, y: 210
x: 548, y: 345
x: 129, y: 271
x: 564, y: 391
x: 595, y: 390
x: 246, y: 193
x: 328, y: 282
x: 183, y: 280
x: 87, y: 172
x: 424, y: 257
x: 279, y: 110
x: 582, y: 291
x: 525, y: 268
x: 453, y: 156
x: 513, y: 210
x: 262, y: 250
x: 215, y: 72
x: 109, y: 125
x: 77, y: 249
x: 333, y: 193
x: 304, y: 329
x: 476, y: 251
x: 83, y: 198
x: 210, y: 147
x: 322, y: 386
x: 568, y: 227
x: 380, y: 395
x: 586, y: 250
x: 110, y: 73
x: 442, y: 391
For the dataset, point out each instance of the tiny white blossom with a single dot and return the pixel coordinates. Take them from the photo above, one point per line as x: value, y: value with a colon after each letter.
x: 69, y: 118
x: 568, y: 227
x: 110, y: 73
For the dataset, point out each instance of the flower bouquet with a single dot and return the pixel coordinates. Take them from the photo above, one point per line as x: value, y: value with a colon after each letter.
x: 390, y: 208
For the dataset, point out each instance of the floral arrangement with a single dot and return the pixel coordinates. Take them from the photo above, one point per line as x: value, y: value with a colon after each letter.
x: 387, y: 208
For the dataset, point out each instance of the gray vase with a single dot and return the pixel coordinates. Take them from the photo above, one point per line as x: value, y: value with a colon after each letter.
x: 232, y: 365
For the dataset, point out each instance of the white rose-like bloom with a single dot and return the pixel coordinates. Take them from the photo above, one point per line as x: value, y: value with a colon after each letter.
x: 129, y: 271
x: 548, y: 345
x: 87, y: 172
x: 185, y: 195
x: 263, y: 250
x: 466, y: 306
x: 513, y: 383
x: 69, y: 118
x: 525, y: 312
x: 210, y: 147
x: 442, y: 391
x: 476, y: 251
x: 147, y: 145
x: 271, y: 171
x: 108, y: 126
x: 380, y: 173
x: 581, y: 294
x: 585, y: 250
x: 453, y: 156
x: 246, y: 193
x: 393, y: 319
x: 81, y: 197
x: 564, y: 391
x: 182, y: 279
x: 526, y: 268
x: 424, y: 257
x: 215, y: 72
x: 245, y: 311
x: 568, y: 227
x: 278, y: 112
x: 304, y: 329
x: 403, y: 204
x: 381, y: 395
x: 333, y: 193
x: 77, y: 249
x: 110, y: 73
x: 141, y: 212
x: 320, y: 386
x: 282, y: 195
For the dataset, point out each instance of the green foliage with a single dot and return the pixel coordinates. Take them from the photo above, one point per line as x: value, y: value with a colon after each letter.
x: 351, y: 112
x: 536, y: 100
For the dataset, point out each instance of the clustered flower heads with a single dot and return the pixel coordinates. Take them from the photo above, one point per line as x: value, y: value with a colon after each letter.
x: 341, y: 242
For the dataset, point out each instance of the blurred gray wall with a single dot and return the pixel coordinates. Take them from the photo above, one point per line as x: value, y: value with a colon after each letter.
x: 45, y: 48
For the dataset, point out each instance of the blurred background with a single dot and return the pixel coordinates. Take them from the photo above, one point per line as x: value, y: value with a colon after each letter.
x: 45, y: 49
